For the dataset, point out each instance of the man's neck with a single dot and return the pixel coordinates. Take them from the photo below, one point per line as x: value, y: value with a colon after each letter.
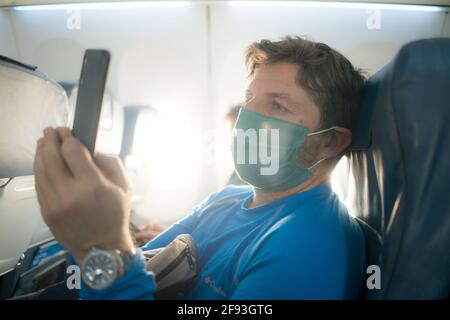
x: 261, y: 197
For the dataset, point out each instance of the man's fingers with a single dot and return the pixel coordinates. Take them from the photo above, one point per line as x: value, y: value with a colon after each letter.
x: 142, y: 227
x: 145, y: 236
x: 64, y: 133
x: 40, y: 178
x: 112, y: 168
x: 148, y: 231
x: 158, y: 227
x: 56, y: 170
x: 77, y: 156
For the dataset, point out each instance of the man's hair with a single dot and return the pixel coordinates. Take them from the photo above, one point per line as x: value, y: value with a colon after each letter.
x: 327, y: 76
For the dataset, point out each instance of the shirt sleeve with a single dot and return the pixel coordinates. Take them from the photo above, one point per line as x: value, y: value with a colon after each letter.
x: 136, y: 284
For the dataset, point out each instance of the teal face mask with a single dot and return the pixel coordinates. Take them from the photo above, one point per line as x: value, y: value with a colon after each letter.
x: 265, y: 151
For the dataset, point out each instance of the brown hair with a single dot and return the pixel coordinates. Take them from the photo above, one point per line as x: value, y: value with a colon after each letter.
x: 327, y: 76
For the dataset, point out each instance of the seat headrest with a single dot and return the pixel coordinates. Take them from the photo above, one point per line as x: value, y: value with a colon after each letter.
x: 421, y: 65
x: 400, y: 169
x: 29, y: 102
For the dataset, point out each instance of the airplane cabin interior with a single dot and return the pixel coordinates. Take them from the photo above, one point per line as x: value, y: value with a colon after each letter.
x: 176, y: 69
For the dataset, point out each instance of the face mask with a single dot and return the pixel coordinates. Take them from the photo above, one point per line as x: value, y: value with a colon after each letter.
x: 265, y: 151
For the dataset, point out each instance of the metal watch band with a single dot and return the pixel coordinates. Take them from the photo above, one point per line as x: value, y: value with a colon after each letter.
x: 126, y: 257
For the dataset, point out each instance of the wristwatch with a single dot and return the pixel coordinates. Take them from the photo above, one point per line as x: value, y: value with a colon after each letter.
x: 100, y: 268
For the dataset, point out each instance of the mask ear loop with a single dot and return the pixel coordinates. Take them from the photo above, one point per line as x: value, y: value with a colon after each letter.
x: 317, y: 163
x: 247, y: 102
x: 315, y: 133
x: 322, y: 131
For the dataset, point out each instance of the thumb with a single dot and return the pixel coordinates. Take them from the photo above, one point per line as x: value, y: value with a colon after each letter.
x: 112, y: 168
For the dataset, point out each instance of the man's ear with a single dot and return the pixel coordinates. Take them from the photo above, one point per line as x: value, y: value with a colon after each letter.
x: 337, y: 142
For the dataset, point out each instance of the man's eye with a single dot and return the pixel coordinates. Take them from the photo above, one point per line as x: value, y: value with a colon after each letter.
x: 279, y: 107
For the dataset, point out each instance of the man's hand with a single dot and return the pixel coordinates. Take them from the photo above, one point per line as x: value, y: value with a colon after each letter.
x: 85, y: 202
x: 147, y: 232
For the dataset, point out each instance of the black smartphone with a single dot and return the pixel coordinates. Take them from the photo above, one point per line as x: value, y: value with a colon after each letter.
x: 90, y: 97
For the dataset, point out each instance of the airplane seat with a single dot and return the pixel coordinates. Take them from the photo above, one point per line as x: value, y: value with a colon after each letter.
x: 400, y: 172
x: 29, y: 102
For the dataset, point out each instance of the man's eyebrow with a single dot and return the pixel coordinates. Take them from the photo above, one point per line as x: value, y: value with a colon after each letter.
x: 280, y: 95
x: 286, y: 97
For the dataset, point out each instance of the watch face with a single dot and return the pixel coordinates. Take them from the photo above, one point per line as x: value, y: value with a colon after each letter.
x: 100, y: 269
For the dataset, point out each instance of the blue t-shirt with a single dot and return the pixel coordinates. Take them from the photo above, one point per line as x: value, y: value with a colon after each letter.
x: 304, y: 246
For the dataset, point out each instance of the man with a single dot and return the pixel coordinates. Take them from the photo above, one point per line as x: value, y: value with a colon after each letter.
x: 286, y: 236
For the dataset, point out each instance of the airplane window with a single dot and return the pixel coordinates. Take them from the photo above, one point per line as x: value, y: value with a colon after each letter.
x: 107, y: 116
x: 339, y: 179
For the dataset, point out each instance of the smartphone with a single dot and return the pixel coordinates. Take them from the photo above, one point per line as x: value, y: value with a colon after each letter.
x: 90, y: 97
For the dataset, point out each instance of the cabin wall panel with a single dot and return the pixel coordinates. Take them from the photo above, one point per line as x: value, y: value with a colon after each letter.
x: 7, y: 42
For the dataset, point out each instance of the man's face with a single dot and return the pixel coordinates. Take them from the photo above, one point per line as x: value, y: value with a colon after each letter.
x: 274, y: 92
